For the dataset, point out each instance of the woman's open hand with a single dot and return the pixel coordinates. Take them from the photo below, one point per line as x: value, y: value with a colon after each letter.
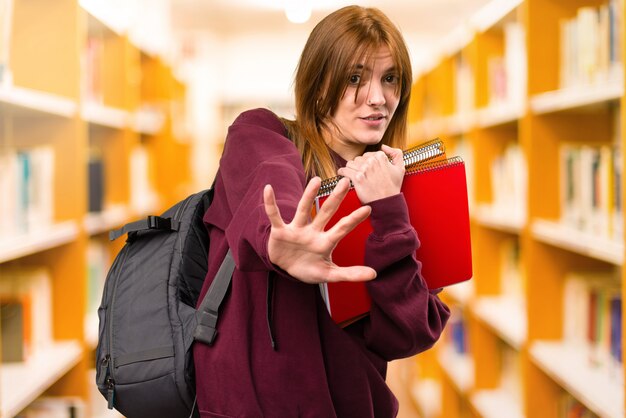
x: 302, y: 247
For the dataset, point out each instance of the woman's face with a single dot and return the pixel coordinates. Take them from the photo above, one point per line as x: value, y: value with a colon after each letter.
x: 364, y: 111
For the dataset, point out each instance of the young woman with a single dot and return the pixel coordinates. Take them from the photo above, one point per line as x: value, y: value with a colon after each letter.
x: 278, y: 352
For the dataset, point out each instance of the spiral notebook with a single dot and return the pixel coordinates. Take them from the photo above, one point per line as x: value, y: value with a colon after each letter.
x: 435, y: 189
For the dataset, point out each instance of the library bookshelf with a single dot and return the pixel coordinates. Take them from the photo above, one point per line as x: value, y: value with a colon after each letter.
x: 91, y: 136
x: 533, y: 100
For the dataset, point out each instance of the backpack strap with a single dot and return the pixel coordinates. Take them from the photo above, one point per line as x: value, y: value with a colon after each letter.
x: 151, y: 222
x: 207, y: 311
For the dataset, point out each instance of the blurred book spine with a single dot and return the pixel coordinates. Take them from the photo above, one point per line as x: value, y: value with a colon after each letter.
x: 26, y: 190
x: 591, y: 45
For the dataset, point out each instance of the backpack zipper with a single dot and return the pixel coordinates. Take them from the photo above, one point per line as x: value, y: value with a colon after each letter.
x: 108, y: 365
x: 110, y: 392
x: 104, y: 370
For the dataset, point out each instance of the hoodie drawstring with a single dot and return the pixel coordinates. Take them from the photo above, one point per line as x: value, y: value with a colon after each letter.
x: 270, y: 309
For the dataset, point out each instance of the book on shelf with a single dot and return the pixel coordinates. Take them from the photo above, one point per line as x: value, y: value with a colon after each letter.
x: 512, y: 276
x: 590, y: 45
x: 592, y: 316
x: 27, y: 190
x: 509, y: 183
x: 13, y: 328
x: 590, y: 194
x: 515, y: 63
x: 143, y: 195
x: 616, y: 210
x: 464, y: 86
x: 435, y: 190
x: 507, y: 72
x: 511, y: 380
x: 456, y: 332
x: 96, y: 178
x: 497, y: 80
x: 98, y: 263
x: 92, y: 74
x: 31, y: 289
x: 570, y: 407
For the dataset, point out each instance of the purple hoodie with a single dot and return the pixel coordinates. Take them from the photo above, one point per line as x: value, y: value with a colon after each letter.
x: 277, y: 352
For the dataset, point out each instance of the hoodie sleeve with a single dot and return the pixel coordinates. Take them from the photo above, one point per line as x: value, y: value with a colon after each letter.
x: 406, y: 317
x: 256, y: 152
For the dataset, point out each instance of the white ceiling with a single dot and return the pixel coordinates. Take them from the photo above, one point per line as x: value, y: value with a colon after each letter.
x: 424, y: 22
x: 252, y: 49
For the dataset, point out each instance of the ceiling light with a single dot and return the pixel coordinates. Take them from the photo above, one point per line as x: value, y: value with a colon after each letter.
x: 298, y: 11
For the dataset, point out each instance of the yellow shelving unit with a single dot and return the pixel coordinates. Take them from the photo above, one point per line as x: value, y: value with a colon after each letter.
x: 82, y: 91
x: 513, y: 110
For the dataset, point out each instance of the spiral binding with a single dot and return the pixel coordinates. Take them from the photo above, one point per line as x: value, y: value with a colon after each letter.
x: 413, y: 157
x: 433, y: 165
x: 424, y: 152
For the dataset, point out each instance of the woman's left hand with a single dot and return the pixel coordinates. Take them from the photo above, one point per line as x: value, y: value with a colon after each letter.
x: 376, y: 175
x: 303, y: 247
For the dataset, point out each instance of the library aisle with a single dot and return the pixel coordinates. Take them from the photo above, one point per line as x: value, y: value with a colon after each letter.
x: 529, y: 92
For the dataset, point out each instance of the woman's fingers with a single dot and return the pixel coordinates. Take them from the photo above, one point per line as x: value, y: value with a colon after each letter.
x: 351, y: 274
x: 394, y: 154
x: 331, y: 204
x: 303, y: 212
x: 271, y: 208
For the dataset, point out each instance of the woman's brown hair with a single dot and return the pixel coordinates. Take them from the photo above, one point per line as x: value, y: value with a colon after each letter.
x: 337, y: 42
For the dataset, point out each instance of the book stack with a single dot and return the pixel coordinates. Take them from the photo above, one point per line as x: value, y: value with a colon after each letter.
x: 435, y: 190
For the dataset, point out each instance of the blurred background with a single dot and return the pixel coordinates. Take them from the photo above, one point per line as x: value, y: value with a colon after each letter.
x: 113, y: 110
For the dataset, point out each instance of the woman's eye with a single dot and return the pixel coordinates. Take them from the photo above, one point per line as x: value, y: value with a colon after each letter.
x: 391, y: 79
x: 355, y: 79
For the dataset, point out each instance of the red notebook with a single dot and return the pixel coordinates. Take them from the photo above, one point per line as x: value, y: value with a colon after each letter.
x: 436, y: 195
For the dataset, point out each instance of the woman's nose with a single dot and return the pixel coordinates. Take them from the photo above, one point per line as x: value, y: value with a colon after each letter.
x: 375, y: 94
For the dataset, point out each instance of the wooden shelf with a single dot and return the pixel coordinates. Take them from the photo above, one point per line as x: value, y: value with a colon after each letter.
x: 458, y: 367
x: 21, y: 383
x: 460, y: 123
x: 12, y: 248
x: 565, y: 364
x: 98, y: 223
x: 23, y: 100
x: 492, y: 13
x: 105, y: 115
x: 506, y: 315
x: 511, y: 221
x: 500, y: 114
x: 492, y: 403
x: 116, y: 18
x: 462, y: 293
x: 562, y: 236
x: 577, y: 97
x: 148, y: 122
x: 426, y: 394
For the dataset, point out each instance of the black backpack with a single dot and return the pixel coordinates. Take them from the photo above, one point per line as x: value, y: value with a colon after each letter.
x: 147, y: 317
